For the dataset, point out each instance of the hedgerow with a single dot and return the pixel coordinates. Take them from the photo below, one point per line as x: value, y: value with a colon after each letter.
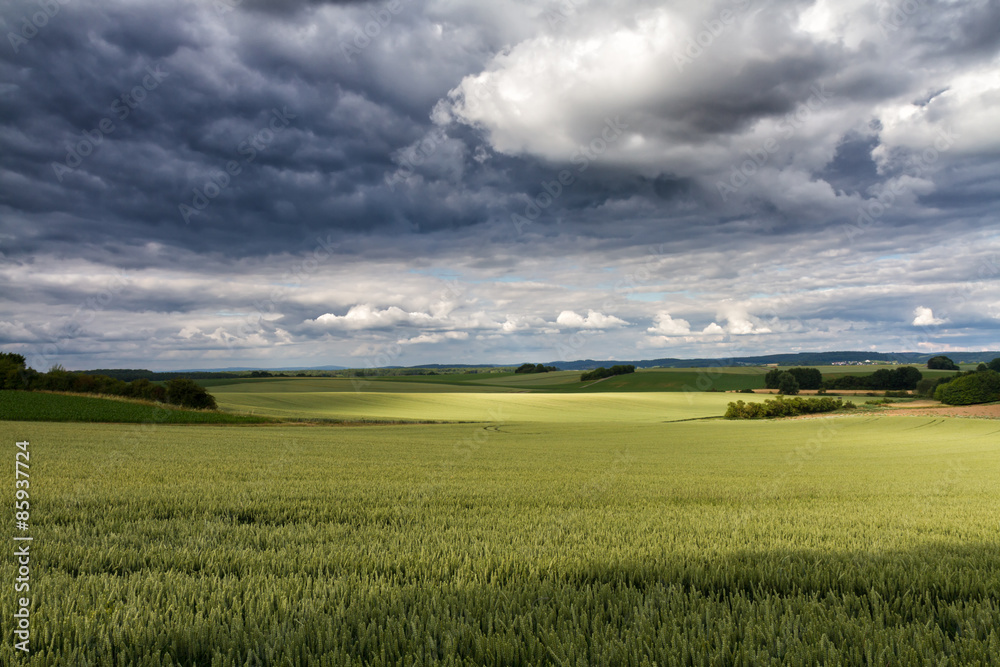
x: 782, y: 407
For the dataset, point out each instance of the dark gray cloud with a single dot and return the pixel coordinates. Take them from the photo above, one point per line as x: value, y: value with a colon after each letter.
x: 254, y: 167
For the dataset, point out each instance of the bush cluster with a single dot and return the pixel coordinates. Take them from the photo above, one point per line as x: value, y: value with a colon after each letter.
x: 602, y: 372
x: 782, y: 407
x: 535, y: 368
x: 15, y: 374
x: 974, y: 387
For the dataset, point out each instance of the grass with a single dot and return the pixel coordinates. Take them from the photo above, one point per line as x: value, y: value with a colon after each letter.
x: 382, y: 385
x: 829, y: 541
x: 643, y: 380
x: 435, y: 406
x: 44, y: 406
x: 684, y: 380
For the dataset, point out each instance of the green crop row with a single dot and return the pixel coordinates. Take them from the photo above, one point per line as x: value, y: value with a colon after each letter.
x: 844, y: 541
x: 41, y: 406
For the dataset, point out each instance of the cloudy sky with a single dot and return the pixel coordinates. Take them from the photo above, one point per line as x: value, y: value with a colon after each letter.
x: 280, y: 183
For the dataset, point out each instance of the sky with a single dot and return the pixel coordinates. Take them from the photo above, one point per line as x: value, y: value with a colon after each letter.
x: 303, y: 183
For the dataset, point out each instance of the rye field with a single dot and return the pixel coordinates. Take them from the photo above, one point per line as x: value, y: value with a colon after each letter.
x: 536, y: 528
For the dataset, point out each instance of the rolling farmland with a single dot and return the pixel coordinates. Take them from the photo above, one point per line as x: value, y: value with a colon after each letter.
x: 475, y: 406
x: 40, y: 406
x: 643, y: 380
x: 563, y: 529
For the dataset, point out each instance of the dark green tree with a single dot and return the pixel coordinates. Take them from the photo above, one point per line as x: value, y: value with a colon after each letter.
x: 942, y: 363
x: 808, y: 378
x: 12, y: 370
x: 995, y: 365
x: 187, y: 393
x: 146, y: 390
x: 787, y: 384
x: 907, y: 377
x: 771, y: 379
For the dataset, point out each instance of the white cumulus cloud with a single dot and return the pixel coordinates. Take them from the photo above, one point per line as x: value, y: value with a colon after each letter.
x: 739, y: 322
x: 366, y: 316
x: 665, y: 325
x: 924, y: 317
x: 593, y: 320
x: 438, y: 337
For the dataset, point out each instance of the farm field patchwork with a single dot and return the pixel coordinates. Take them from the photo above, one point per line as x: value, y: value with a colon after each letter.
x: 380, y: 385
x: 825, y: 541
x: 643, y: 407
x: 643, y: 380
x: 44, y: 406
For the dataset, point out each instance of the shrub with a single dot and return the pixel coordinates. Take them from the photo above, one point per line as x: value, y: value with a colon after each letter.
x: 188, y: 394
x: 781, y: 407
x: 980, y: 387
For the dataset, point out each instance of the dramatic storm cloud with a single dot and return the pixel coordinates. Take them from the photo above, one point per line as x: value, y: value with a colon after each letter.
x: 281, y: 183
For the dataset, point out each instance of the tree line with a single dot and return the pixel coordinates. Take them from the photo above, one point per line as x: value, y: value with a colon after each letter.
x: 979, y: 386
x: 780, y: 407
x: 971, y: 387
x: 897, y: 379
x: 793, y: 380
x: 184, y: 392
x: 602, y: 372
x: 534, y: 368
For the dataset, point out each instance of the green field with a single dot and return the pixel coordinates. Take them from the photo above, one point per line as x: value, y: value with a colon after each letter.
x: 44, y: 406
x: 438, y: 406
x: 643, y: 380
x: 556, y: 382
x: 544, y: 524
x: 844, y: 540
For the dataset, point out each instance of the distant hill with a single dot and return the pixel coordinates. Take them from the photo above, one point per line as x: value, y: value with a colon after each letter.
x: 796, y: 359
x: 237, y: 369
x: 129, y: 374
x: 440, y: 366
x: 790, y: 359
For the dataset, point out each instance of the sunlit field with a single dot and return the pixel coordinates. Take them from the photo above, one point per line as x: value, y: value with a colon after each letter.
x: 573, y: 540
x: 646, y: 407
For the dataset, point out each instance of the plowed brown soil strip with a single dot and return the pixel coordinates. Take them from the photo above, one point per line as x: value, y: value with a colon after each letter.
x: 934, y: 409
